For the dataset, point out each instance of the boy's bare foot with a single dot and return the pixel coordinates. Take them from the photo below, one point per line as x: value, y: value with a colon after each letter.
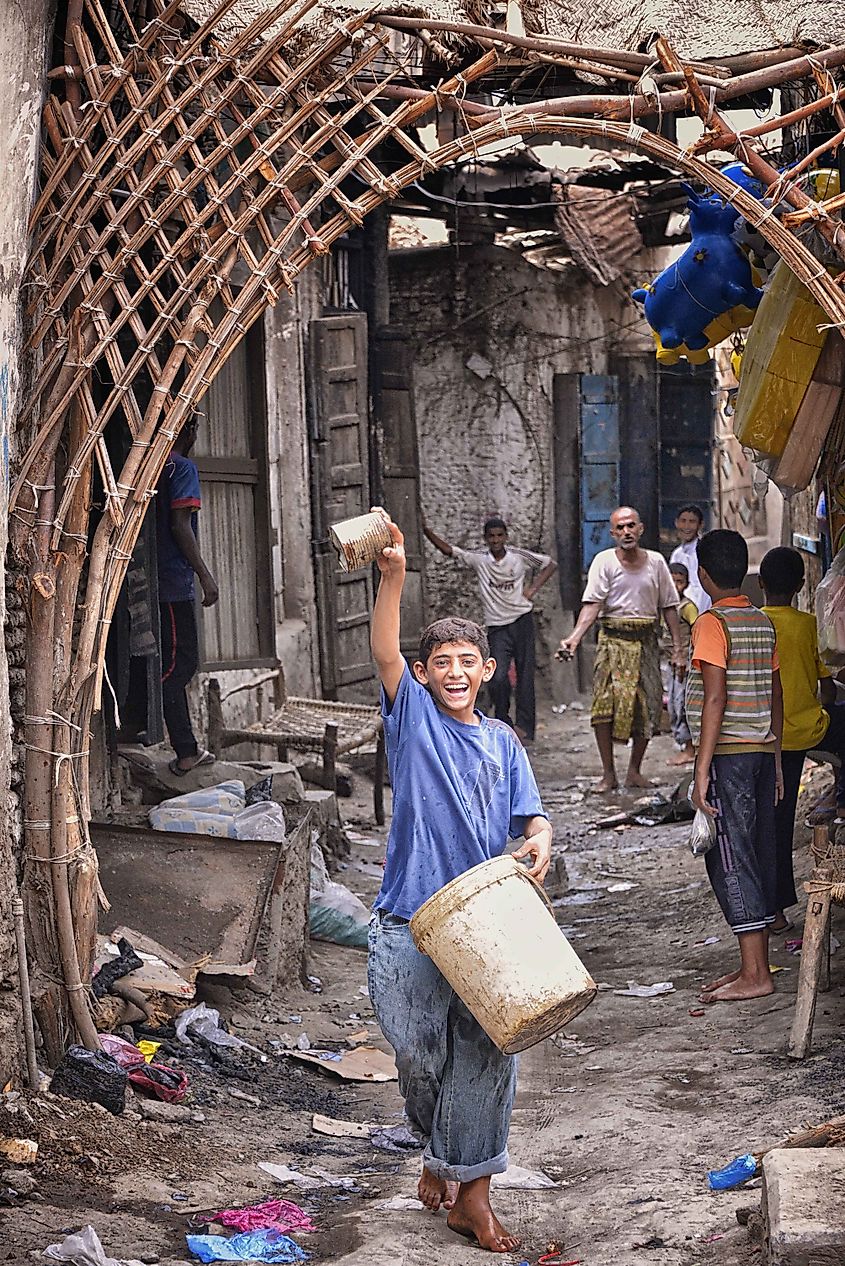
x: 435, y: 1192
x: 723, y: 980
x: 740, y: 990
x: 635, y: 779
x: 781, y: 923
x: 606, y: 784
x: 686, y: 757
x: 473, y: 1218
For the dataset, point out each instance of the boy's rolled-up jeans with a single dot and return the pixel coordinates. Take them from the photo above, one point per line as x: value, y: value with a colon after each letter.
x: 457, y: 1085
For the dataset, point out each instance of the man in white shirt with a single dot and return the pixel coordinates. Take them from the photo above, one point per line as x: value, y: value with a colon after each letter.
x: 688, y: 524
x: 630, y: 588
x: 507, y: 582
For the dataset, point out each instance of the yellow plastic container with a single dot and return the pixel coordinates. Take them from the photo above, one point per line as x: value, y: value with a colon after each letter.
x: 493, y: 936
x: 781, y: 353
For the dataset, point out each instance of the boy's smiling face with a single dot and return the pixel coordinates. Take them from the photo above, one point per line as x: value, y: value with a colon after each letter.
x: 454, y: 673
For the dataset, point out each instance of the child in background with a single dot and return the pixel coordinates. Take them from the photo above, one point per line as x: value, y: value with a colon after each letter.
x: 687, y: 614
x: 735, y: 715
x: 807, y: 722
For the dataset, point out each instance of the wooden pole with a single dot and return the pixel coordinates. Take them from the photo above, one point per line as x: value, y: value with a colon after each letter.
x: 816, y: 930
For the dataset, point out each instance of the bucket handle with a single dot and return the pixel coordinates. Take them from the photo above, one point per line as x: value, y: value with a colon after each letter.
x: 524, y: 872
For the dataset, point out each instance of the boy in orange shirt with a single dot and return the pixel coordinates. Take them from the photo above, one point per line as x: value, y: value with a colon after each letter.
x: 735, y: 714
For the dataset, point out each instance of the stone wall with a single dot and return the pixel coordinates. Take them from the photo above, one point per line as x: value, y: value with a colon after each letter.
x: 489, y: 332
x: 24, y: 31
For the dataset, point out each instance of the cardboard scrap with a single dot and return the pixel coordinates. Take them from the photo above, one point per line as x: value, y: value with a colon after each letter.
x: 314, y: 1180
x: 518, y: 1179
x: 340, y: 1129
x: 365, y: 1063
x: 155, y: 977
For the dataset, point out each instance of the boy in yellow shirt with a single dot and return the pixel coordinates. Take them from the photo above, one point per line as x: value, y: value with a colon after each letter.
x: 808, y: 721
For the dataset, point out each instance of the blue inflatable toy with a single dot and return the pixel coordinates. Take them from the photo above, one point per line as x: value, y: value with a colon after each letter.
x: 708, y: 293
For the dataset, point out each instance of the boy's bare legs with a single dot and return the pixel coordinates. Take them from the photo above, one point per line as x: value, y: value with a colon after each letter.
x: 604, y: 742
x: 753, y: 980
x: 473, y: 1217
x: 436, y: 1192
x: 634, y: 777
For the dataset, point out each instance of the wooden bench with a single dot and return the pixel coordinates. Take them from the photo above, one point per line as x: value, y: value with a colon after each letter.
x: 329, y: 729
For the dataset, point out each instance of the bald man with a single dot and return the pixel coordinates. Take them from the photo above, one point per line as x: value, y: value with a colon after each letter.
x: 628, y: 588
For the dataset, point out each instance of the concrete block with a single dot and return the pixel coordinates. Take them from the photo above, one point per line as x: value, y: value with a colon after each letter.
x: 148, y: 767
x: 803, y: 1200
x: 324, y: 805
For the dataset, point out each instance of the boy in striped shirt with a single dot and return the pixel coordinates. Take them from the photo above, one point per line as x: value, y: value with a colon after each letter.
x: 734, y: 710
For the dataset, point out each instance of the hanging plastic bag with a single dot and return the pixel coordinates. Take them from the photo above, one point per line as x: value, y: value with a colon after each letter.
x: 830, y: 612
x: 702, y: 834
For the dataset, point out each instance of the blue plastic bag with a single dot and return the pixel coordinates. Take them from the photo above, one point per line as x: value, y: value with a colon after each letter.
x: 733, y: 1174
x: 249, y: 1246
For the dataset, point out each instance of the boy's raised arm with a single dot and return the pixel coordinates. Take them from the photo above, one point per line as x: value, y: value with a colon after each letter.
x: 384, y: 630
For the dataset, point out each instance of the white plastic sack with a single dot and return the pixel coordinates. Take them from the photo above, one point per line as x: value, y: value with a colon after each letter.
x: 209, y: 811
x: 83, y: 1248
x: 221, y: 812
x: 335, y: 914
x: 262, y: 821
x: 205, y: 1021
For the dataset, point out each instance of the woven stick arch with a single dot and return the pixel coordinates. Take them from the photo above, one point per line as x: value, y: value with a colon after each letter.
x: 199, y: 176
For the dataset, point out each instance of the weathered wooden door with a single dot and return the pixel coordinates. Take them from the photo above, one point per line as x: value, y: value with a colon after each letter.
x: 340, y: 462
x: 599, y: 425
x: 687, y: 419
x: 398, y: 478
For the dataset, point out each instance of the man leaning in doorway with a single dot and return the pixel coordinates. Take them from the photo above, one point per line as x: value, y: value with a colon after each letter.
x: 629, y: 588
x: 507, y: 588
x: 179, y: 560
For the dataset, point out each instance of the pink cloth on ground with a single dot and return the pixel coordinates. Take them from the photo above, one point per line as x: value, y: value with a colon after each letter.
x: 281, y: 1215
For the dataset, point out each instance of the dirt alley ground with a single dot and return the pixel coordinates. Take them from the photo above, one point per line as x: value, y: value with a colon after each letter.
x: 628, y: 1117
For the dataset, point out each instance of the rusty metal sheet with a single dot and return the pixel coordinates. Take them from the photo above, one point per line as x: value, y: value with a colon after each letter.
x: 195, y: 894
x: 599, y: 229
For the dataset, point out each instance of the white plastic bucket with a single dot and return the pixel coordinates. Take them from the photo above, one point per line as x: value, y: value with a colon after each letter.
x: 494, y: 938
x: 359, y: 541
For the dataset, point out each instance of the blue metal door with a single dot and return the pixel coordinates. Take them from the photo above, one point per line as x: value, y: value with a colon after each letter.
x: 599, y: 433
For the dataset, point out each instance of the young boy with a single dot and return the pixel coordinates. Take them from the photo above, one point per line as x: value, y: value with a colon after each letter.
x: 461, y: 784
x: 687, y: 616
x: 735, y: 713
x: 807, y: 723
x: 689, y: 522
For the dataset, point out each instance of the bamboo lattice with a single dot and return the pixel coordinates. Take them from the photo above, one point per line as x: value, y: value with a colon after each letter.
x: 186, y: 179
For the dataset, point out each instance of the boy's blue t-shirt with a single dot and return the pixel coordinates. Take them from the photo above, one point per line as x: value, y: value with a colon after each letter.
x: 459, y: 791
x: 178, y: 489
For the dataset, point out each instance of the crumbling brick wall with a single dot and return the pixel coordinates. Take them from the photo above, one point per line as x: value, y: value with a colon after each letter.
x: 489, y: 332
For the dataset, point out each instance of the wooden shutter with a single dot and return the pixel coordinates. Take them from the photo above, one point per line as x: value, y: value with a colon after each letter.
x: 234, y: 533
x: 599, y: 417
x: 400, y: 470
x: 340, y: 438
x: 687, y: 421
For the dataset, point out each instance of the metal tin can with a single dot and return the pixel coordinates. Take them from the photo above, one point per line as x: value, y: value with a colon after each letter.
x: 359, y: 541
